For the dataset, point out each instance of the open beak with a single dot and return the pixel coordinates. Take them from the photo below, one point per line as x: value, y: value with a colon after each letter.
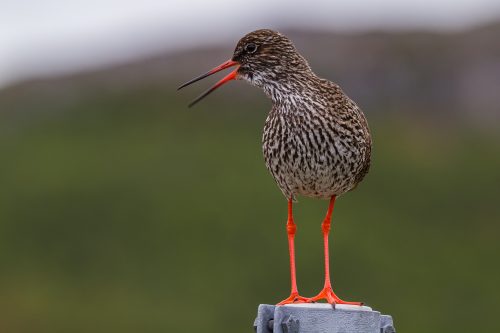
x: 227, y: 78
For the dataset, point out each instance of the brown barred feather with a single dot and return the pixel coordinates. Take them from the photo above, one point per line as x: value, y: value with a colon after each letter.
x: 316, y: 140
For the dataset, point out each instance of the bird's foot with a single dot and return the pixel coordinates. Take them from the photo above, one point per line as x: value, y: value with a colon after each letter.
x: 294, y: 298
x: 328, y: 295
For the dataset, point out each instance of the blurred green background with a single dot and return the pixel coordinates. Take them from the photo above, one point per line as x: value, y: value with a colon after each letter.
x: 121, y: 210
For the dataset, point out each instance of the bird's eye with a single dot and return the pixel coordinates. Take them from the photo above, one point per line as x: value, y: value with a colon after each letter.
x: 250, y: 47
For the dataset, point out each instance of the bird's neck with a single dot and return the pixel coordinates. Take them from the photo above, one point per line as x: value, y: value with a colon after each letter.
x: 296, y: 89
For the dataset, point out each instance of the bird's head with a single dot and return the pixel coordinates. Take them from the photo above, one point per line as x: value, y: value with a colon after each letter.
x: 265, y: 58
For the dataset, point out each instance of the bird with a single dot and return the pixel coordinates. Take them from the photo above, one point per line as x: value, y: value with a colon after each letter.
x: 316, y: 141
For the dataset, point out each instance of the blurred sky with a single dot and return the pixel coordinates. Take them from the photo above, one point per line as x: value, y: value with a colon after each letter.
x: 50, y: 37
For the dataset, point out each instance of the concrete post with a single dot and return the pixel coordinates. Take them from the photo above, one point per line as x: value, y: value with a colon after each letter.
x: 321, y: 318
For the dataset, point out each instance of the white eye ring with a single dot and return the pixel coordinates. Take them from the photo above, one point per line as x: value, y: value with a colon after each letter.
x: 250, y: 47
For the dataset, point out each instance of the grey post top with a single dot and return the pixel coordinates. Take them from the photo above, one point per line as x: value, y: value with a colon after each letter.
x: 321, y: 318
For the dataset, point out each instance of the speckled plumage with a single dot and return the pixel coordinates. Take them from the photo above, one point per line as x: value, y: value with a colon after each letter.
x: 316, y: 140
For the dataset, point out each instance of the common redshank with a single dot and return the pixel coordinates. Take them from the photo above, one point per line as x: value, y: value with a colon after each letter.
x: 316, y: 140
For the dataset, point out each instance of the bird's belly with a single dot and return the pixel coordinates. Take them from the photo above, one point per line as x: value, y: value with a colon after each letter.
x: 320, y: 177
x: 314, y: 166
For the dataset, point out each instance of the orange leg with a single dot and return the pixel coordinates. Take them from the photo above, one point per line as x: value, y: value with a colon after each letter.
x: 291, y: 229
x: 327, y: 292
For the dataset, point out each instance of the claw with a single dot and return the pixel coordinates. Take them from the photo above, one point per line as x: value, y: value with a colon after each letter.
x: 294, y: 298
x: 328, y: 295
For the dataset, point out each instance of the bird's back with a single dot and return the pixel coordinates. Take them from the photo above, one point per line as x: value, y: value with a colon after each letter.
x: 316, y: 142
